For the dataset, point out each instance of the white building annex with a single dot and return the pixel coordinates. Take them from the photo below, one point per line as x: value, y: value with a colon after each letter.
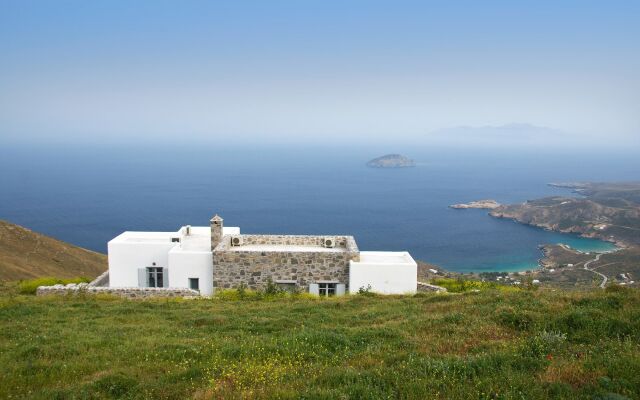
x: 207, y: 258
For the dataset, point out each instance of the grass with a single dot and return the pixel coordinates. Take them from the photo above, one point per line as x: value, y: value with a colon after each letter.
x: 490, y: 344
x: 466, y: 285
x: 29, y: 286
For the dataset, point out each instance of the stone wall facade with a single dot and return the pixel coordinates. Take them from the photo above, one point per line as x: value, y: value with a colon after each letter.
x: 233, y: 267
x: 131, y: 293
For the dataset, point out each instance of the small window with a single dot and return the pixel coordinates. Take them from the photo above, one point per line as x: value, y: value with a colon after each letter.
x: 175, y: 240
x: 194, y: 283
x: 155, y: 277
x: 289, y: 287
x: 327, y: 289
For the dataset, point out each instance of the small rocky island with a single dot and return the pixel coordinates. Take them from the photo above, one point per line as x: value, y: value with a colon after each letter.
x: 391, y: 161
x: 483, y: 204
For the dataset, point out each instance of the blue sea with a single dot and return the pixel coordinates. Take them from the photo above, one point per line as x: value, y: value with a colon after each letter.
x: 87, y: 195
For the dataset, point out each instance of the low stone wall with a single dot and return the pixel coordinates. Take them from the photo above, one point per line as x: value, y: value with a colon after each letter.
x: 102, y: 280
x: 131, y: 293
x: 426, y: 287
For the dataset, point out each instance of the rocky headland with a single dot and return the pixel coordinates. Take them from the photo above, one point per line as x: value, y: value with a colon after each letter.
x: 481, y: 204
x: 605, y: 211
x: 391, y: 161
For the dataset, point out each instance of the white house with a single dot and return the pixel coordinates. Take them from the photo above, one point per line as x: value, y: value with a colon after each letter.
x: 181, y: 259
x: 210, y: 257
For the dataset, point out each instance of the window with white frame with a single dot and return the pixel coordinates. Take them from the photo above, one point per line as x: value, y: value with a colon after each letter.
x: 327, y: 289
x: 155, y: 277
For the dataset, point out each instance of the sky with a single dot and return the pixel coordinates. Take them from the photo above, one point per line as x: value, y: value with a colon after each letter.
x: 314, y: 71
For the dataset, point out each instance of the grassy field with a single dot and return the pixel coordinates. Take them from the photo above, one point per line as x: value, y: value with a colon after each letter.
x: 490, y: 344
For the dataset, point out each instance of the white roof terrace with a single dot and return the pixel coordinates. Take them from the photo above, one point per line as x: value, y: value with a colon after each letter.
x: 198, y: 240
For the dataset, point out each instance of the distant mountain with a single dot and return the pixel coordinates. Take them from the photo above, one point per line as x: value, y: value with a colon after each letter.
x: 25, y: 254
x: 391, y: 161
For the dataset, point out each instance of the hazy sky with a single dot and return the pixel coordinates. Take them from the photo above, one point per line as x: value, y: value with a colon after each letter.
x: 315, y: 70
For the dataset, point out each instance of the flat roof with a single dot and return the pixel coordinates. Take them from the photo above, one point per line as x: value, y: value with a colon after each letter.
x: 144, y: 237
x: 199, y: 239
x: 385, y: 257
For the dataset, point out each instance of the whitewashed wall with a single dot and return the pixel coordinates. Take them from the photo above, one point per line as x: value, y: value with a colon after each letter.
x: 184, y: 265
x: 386, y: 272
x: 125, y: 259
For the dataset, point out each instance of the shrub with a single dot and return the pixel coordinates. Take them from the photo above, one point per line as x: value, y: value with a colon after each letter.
x: 543, y: 343
x: 270, y: 292
x: 30, y: 286
x: 609, y: 302
x: 366, y: 291
x: 515, y: 318
x: 577, y: 320
x: 239, y: 293
x: 242, y: 290
x: 453, y: 318
x: 528, y: 284
x: 272, y: 289
x: 618, y: 289
x: 611, y: 396
x: 461, y: 285
x: 116, y: 386
x: 306, y: 296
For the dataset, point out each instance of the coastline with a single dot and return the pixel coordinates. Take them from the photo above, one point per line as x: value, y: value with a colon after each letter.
x: 604, y: 216
x: 539, y: 263
x: 616, y: 242
x: 545, y: 260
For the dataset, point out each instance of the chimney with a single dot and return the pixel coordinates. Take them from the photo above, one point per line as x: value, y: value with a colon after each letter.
x: 216, y: 231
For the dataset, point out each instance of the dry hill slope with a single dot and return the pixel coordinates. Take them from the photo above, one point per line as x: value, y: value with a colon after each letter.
x: 26, y: 254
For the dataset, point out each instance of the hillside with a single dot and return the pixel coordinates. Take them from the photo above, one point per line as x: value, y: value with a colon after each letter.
x: 493, y: 344
x: 607, y: 211
x: 26, y: 254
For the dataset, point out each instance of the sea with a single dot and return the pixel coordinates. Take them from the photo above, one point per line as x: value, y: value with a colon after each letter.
x: 88, y: 194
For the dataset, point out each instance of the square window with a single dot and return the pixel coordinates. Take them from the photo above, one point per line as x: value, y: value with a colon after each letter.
x: 327, y: 289
x: 194, y: 283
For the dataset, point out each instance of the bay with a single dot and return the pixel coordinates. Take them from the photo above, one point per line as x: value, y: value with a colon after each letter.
x: 88, y: 194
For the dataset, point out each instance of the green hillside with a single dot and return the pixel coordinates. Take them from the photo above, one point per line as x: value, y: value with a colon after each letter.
x: 491, y: 344
x: 25, y: 254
